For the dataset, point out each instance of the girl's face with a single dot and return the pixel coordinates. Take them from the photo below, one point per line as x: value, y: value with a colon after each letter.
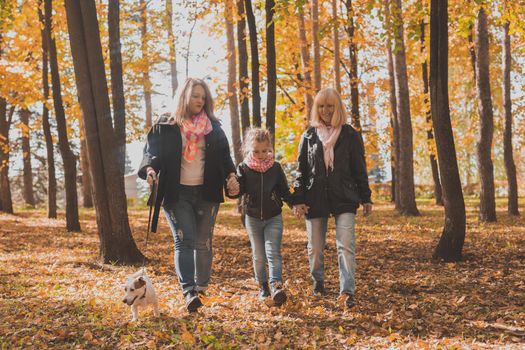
x: 197, y: 99
x: 326, y: 108
x: 261, y: 150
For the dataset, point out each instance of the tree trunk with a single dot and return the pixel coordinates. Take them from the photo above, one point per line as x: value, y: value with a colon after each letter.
x: 29, y: 196
x: 393, y: 106
x: 146, y: 82
x: 337, y: 69
x: 68, y: 158
x: 87, y: 192
x: 6, y: 202
x: 510, y: 167
x: 51, y: 175
x: 305, y: 63
x: 256, y: 96
x: 406, y: 192
x: 354, y: 79
x: 315, y: 39
x: 117, y: 85
x: 428, y: 118
x: 116, y: 242
x: 271, y: 69
x: 450, y: 245
x: 487, y: 205
x: 171, y: 44
x: 243, y: 67
x: 232, y: 90
x: 392, y: 164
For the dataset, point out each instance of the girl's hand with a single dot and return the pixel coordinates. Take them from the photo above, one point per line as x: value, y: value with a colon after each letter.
x: 367, y: 209
x: 151, y: 175
x: 300, y: 210
x: 232, y: 185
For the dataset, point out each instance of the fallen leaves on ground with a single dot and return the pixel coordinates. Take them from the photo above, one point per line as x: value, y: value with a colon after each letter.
x: 54, y: 293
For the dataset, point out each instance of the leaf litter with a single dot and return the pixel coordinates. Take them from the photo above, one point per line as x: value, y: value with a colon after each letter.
x: 55, y: 294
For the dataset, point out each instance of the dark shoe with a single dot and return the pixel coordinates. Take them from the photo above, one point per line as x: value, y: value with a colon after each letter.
x: 349, y: 301
x: 319, y: 288
x: 264, y: 291
x: 278, y: 294
x: 193, y: 303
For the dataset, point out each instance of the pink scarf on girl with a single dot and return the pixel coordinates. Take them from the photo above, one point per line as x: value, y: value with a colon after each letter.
x: 261, y: 166
x: 328, y: 136
x: 194, y: 130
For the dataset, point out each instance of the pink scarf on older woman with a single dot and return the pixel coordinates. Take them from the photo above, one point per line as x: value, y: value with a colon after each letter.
x: 328, y: 136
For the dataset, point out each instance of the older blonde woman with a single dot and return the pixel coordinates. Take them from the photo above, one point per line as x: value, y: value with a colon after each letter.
x: 332, y: 181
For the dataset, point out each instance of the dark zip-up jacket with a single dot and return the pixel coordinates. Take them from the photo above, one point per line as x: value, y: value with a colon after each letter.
x: 263, y: 193
x: 163, y: 152
x: 334, y: 191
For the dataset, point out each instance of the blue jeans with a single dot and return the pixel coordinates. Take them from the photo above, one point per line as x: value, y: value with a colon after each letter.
x: 345, y: 242
x: 191, y: 220
x: 265, y: 238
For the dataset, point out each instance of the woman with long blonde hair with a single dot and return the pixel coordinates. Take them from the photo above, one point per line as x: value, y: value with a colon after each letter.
x: 332, y: 181
x: 187, y: 153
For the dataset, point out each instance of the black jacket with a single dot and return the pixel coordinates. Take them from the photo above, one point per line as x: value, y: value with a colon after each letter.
x: 163, y: 152
x: 263, y: 193
x: 334, y: 191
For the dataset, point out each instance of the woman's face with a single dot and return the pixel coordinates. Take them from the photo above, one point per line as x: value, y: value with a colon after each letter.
x: 326, y: 108
x: 197, y: 99
x: 261, y: 150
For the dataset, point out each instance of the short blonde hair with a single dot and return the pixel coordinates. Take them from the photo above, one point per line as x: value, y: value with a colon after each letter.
x: 255, y: 135
x: 339, y: 117
x: 182, y: 111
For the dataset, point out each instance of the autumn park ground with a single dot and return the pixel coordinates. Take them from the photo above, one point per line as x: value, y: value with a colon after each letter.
x: 54, y: 293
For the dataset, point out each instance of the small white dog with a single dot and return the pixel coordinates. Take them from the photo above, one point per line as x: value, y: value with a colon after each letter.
x: 140, y: 292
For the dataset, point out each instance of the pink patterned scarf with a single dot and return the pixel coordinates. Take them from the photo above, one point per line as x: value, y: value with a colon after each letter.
x: 261, y: 166
x: 328, y: 136
x: 194, y: 130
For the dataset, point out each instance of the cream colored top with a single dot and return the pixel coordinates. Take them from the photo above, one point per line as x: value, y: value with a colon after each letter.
x: 192, y: 173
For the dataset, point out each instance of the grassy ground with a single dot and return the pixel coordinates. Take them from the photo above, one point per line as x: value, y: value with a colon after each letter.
x: 54, y: 293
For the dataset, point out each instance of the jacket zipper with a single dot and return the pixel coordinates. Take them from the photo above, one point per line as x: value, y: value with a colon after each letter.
x: 262, y: 192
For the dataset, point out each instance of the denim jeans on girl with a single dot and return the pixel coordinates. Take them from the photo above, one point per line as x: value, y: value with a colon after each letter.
x: 191, y: 220
x: 265, y: 238
x: 345, y: 242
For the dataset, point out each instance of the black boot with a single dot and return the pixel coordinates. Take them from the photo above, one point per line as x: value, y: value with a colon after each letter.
x: 319, y: 288
x: 278, y: 294
x: 264, y: 291
x: 349, y: 302
x: 193, y: 303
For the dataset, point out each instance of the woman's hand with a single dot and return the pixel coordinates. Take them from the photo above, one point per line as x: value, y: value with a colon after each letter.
x: 300, y: 210
x: 232, y: 185
x: 151, y: 175
x: 367, y: 209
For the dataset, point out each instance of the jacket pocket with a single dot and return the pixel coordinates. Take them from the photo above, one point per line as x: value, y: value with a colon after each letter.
x: 277, y: 200
x: 351, y: 193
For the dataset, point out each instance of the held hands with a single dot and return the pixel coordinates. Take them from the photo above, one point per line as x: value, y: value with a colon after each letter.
x: 300, y: 210
x: 232, y: 185
x: 367, y: 209
x: 151, y: 176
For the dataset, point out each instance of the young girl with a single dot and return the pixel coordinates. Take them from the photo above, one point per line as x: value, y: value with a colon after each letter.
x: 263, y: 187
x: 332, y: 181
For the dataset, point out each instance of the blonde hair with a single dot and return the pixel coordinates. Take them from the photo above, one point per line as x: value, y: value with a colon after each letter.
x: 255, y: 135
x: 338, y: 118
x: 182, y: 110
